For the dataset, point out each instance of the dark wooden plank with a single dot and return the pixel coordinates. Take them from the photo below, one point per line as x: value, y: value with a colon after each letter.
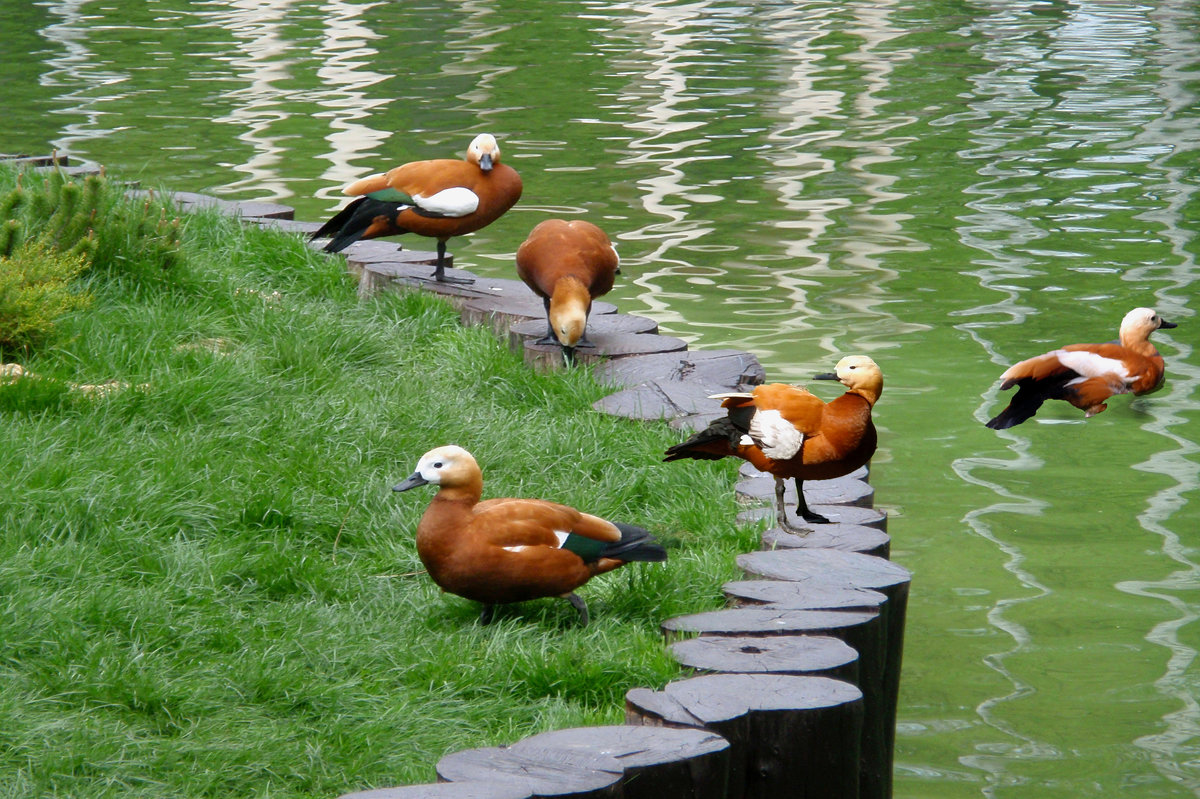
x: 788, y: 735
x: 447, y: 790
x: 656, y: 762
x: 817, y: 655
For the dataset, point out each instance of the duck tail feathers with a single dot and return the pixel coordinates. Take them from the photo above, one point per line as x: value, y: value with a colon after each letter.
x: 635, y: 544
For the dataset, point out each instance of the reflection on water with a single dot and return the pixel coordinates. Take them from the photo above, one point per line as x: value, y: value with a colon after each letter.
x: 949, y: 188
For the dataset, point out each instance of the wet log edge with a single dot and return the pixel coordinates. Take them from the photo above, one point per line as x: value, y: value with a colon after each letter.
x: 372, y: 280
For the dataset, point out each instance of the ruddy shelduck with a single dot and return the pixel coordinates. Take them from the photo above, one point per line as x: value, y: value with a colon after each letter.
x: 511, y: 550
x: 440, y: 199
x: 1086, y: 375
x: 787, y: 431
x: 567, y: 264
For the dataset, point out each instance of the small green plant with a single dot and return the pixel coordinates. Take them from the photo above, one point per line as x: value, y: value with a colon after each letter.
x: 35, y: 290
x: 93, y: 218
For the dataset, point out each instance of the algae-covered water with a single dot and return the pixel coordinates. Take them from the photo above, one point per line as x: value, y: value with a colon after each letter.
x: 948, y: 187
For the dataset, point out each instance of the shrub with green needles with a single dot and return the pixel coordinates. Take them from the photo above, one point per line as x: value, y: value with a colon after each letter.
x: 207, y: 587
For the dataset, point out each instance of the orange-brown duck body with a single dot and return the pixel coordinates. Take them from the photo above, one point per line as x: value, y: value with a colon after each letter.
x: 788, y: 432
x: 440, y: 199
x: 1086, y: 375
x: 500, y: 551
x: 567, y: 264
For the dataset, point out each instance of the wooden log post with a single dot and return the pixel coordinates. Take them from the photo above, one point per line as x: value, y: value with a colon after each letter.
x: 447, y: 790
x: 789, y: 736
x: 545, y: 773
x: 604, y: 346
x: 846, y: 537
x: 601, y: 324
x: 837, y: 514
x: 808, y: 595
x: 861, y: 630
x: 851, y: 570
x: 632, y: 762
x: 656, y: 762
x: 814, y: 655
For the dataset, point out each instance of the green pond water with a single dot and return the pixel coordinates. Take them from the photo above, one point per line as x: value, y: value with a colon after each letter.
x: 946, y: 186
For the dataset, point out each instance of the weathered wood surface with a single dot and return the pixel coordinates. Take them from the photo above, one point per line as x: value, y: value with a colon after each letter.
x: 720, y: 370
x: 656, y: 762
x: 543, y: 772
x: 447, y: 790
x: 862, y: 630
x: 189, y: 201
x: 816, y: 655
x: 846, y: 537
x: 838, y: 514
x: 852, y: 570
x: 789, y: 736
x: 850, y: 489
x: 284, y: 225
x: 807, y: 595
x: 604, y: 346
x: 63, y: 163
x: 604, y: 324
x: 672, y: 386
x: 499, y: 313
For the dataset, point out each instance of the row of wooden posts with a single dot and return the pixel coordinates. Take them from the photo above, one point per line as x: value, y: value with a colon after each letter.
x: 794, y: 686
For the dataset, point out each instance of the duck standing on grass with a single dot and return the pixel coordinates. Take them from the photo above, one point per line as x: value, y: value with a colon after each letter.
x: 440, y: 199
x: 1086, y: 375
x: 787, y: 431
x: 567, y: 264
x: 512, y: 550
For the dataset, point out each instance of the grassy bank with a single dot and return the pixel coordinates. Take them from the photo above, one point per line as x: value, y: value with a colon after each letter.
x: 207, y: 587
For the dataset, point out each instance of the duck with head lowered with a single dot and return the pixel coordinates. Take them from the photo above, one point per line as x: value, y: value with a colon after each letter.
x: 568, y: 264
x: 787, y: 431
x: 1086, y: 375
x: 511, y: 550
x: 440, y: 199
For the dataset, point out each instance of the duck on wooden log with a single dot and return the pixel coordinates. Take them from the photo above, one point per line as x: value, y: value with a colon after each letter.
x: 439, y: 199
x: 512, y: 550
x: 787, y: 431
x: 568, y: 264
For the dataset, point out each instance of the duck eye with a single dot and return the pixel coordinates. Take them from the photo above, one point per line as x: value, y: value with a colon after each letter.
x: 437, y: 465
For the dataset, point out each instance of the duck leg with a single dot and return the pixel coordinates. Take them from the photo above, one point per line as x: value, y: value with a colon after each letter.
x: 488, y: 613
x: 549, y: 338
x: 439, y: 271
x: 802, y: 510
x: 802, y: 506
x: 578, y: 603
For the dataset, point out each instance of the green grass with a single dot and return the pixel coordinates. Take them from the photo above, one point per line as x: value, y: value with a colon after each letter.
x: 207, y: 587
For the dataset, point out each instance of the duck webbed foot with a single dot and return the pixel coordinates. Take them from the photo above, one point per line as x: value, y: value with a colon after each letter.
x: 578, y: 603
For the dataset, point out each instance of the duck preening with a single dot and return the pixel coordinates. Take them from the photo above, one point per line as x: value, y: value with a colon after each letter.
x: 511, y: 550
x: 787, y: 431
x: 567, y: 264
x: 1086, y: 375
x: 440, y: 199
